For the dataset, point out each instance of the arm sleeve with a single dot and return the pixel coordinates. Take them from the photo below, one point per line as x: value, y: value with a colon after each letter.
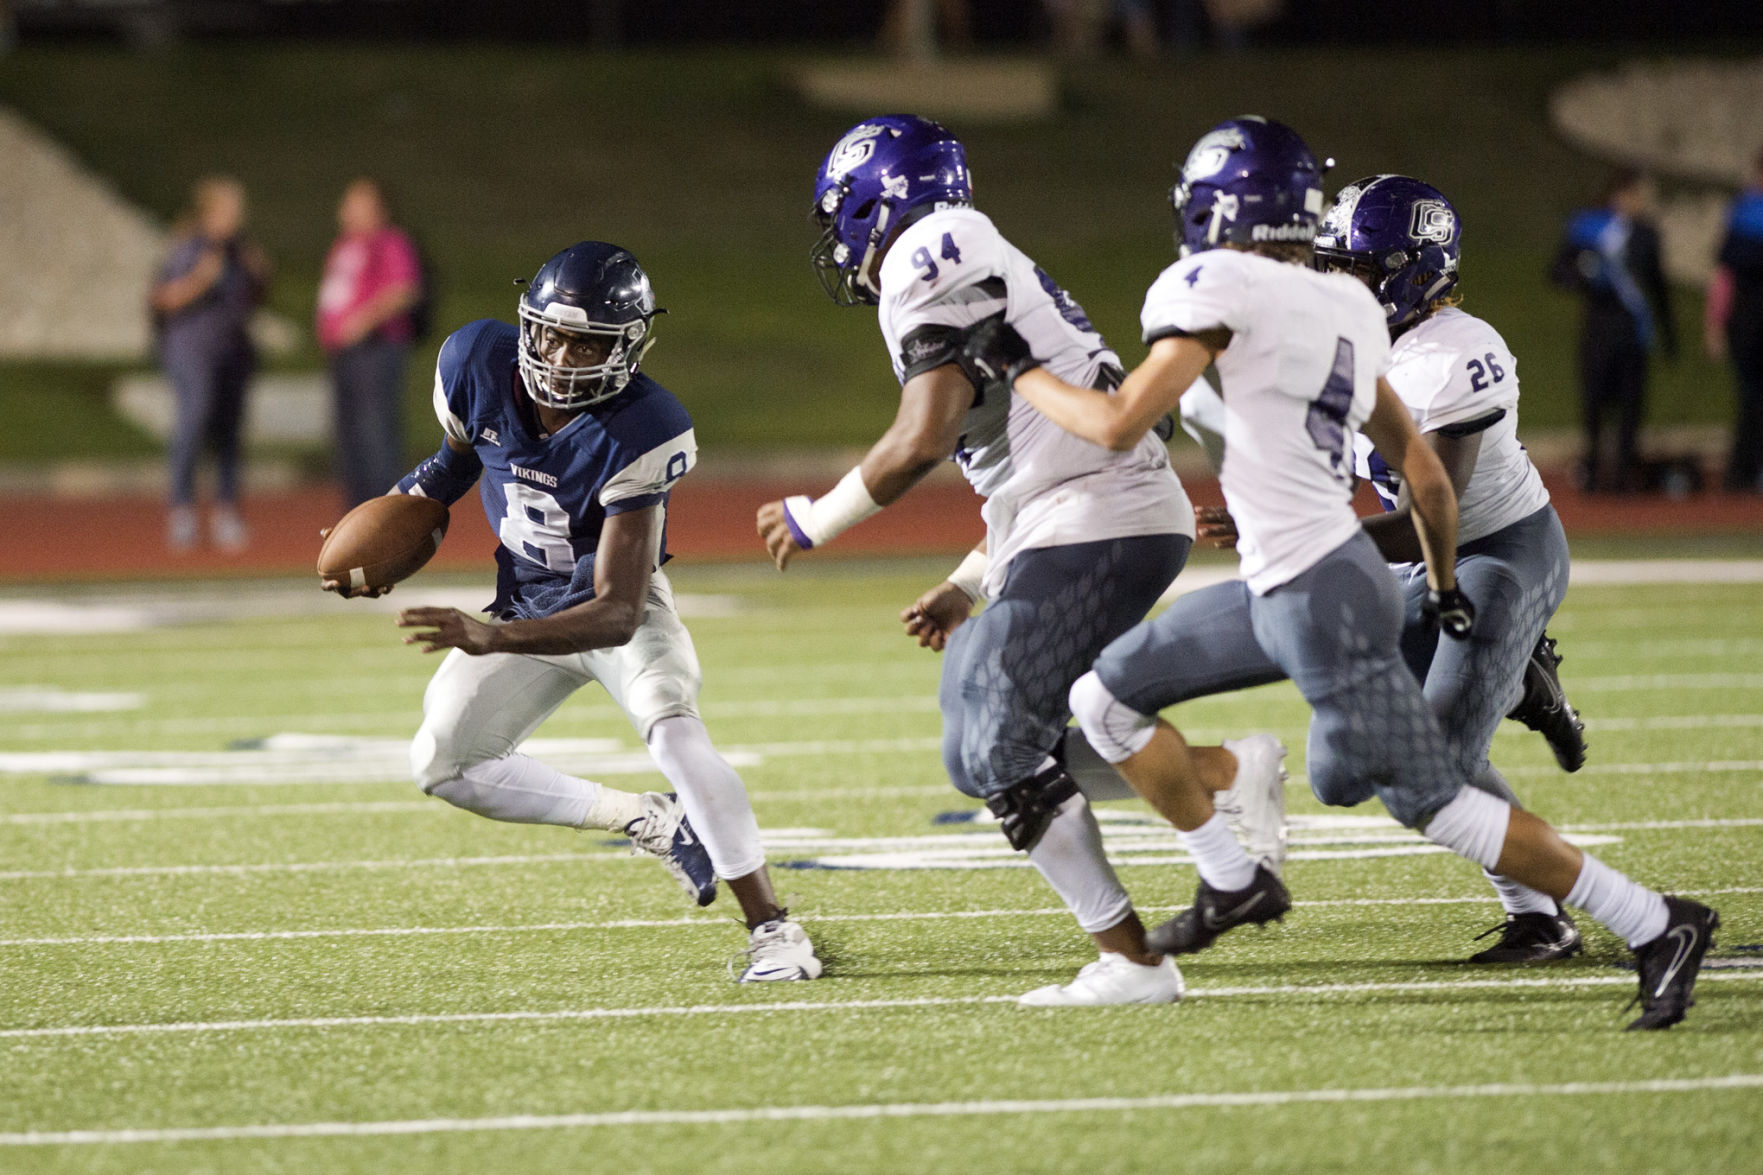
x: 451, y: 399
x: 446, y: 477
x: 398, y: 262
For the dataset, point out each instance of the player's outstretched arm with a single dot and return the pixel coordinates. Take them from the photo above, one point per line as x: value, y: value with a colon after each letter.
x: 924, y: 434
x: 1394, y: 532
x: 1119, y: 420
x: 623, y: 564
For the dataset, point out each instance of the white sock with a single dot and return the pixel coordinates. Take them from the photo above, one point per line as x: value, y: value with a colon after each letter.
x: 1069, y: 855
x: 1518, y: 898
x: 1221, y: 860
x: 613, y: 810
x: 1633, y: 912
x: 1472, y: 825
x: 522, y: 790
x: 715, y: 798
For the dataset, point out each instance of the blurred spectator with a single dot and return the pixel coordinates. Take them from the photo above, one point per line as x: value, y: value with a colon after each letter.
x: 202, y: 301
x: 1610, y: 255
x: 372, y: 279
x: 911, y: 28
x: 1733, y: 326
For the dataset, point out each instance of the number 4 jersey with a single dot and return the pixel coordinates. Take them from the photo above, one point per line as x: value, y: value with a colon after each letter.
x: 1298, y: 379
x: 548, y: 497
x: 1043, y: 486
x: 1456, y: 377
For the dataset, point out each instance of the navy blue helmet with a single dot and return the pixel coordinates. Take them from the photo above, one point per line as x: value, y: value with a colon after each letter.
x: 878, y: 173
x: 1398, y: 235
x: 1247, y: 181
x: 590, y: 293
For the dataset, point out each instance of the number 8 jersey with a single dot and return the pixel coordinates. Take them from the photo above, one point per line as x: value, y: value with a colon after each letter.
x: 1298, y: 380
x: 1043, y: 486
x: 547, y: 497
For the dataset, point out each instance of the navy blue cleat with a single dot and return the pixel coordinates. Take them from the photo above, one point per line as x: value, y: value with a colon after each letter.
x: 664, y: 832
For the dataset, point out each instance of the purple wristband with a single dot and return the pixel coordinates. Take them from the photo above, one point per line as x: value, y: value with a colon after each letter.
x: 796, y: 532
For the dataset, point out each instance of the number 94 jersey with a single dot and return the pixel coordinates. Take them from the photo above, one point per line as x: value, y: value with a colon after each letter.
x: 1298, y: 380
x: 548, y: 497
x: 1044, y: 487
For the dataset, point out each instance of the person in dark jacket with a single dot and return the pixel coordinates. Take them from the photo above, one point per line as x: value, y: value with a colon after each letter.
x: 1610, y: 256
x: 1733, y: 326
x: 202, y: 301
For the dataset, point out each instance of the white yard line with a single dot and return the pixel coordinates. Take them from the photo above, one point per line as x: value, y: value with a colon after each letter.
x: 581, y: 1014
x: 862, y: 1111
x: 706, y: 922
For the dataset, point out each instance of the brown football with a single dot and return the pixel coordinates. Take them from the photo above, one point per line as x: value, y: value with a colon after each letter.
x: 383, y: 540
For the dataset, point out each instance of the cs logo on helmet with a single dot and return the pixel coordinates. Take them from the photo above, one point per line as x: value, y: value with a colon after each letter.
x: 1212, y: 152
x: 853, y: 150
x: 1433, y: 221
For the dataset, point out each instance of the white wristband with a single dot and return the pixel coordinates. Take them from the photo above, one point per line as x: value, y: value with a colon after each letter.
x: 815, y: 521
x: 971, y: 574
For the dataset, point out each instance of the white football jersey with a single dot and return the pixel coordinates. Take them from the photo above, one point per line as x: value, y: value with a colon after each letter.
x: 1043, y: 486
x: 1453, y: 371
x: 1298, y: 379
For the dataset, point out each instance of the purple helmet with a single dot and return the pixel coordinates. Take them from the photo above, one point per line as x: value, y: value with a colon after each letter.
x: 879, y: 172
x: 1398, y: 235
x: 1248, y: 180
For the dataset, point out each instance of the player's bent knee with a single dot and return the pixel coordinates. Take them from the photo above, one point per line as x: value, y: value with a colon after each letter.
x: 1024, y: 809
x: 436, y: 760
x: 1115, y: 730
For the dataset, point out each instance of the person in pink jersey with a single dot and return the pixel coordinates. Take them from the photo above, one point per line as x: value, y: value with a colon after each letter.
x: 372, y: 279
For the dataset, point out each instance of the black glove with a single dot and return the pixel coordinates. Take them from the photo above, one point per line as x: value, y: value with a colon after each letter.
x: 992, y: 348
x: 1451, y: 611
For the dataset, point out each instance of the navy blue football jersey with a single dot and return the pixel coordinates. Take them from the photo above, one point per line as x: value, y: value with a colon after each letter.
x: 548, y: 498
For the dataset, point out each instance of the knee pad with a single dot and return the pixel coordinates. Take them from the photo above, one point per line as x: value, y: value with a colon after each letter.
x: 1115, y: 730
x: 1024, y: 809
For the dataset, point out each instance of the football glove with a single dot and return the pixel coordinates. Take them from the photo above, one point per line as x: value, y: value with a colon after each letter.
x: 996, y: 351
x: 1451, y: 611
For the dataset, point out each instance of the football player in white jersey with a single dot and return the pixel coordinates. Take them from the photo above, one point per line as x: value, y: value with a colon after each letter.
x: 1301, y: 358
x: 1453, y: 371
x: 1080, y: 540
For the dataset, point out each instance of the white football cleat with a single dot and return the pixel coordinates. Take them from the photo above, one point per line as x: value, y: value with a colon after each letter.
x: 1112, y: 979
x: 1255, y: 802
x: 780, y: 950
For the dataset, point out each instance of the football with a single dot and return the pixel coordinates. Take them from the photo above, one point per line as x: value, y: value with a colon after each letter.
x: 383, y: 540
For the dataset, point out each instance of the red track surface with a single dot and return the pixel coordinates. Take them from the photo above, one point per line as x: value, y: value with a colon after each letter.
x: 58, y: 539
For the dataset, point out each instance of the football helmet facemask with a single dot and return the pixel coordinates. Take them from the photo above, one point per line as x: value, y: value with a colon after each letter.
x: 591, y: 291
x: 1399, y: 236
x: 872, y: 183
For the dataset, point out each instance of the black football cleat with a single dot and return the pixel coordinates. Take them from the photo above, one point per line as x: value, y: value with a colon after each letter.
x: 1531, y: 938
x: 1215, y: 911
x: 1669, y: 964
x: 1545, y: 708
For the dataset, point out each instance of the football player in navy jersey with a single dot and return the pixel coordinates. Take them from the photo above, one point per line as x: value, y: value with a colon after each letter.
x: 1080, y: 541
x: 576, y: 452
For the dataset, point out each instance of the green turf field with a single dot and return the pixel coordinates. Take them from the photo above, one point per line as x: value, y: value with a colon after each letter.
x: 702, y: 163
x: 286, y: 951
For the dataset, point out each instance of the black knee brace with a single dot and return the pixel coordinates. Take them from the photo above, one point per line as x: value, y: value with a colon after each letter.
x: 1024, y: 809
